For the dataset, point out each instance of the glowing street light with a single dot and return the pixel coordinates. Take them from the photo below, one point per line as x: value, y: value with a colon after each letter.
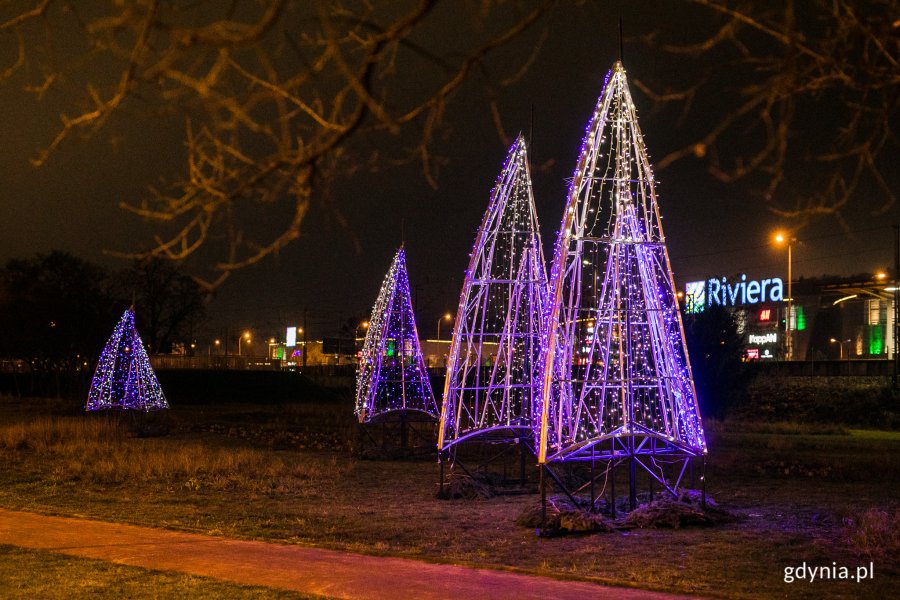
x: 841, y: 346
x: 780, y: 238
x: 446, y: 317
x: 246, y: 337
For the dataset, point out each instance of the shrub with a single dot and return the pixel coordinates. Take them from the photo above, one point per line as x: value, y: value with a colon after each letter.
x: 876, y: 533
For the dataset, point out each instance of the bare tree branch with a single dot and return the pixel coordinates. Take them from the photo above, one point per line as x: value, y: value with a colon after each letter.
x: 813, y: 64
x: 274, y: 93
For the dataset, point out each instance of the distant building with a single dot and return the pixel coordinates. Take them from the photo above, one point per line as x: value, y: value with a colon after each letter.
x: 831, y: 317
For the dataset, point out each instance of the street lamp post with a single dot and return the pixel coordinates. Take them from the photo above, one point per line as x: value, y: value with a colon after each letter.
x: 446, y: 317
x: 365, y: 326
x: 781, y: 238
x: 841, y: 347
x: 303, y: 346
x: 246, y: 336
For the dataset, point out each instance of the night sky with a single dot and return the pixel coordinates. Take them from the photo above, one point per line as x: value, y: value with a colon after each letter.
x: 334, y: 271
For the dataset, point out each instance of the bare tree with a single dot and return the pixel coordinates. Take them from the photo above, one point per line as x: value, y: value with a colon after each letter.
x: 801, y: 98
x: 279, y: 97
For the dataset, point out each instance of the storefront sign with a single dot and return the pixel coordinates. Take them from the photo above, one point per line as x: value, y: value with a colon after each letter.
x: 764, y: 338
x: 719, y: 291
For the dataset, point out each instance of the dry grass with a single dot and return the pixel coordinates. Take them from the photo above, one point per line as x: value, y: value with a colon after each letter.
x: 213, y: 474
x: 47, y: 434
x: 63, y: 577
x: 876, y: 533
x: 102, y: 451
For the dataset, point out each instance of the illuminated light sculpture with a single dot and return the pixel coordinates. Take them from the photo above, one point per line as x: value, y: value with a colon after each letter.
x: 391, y: 378
x: 124, y: 379
x: 493, y: 375
x: 617, y: 384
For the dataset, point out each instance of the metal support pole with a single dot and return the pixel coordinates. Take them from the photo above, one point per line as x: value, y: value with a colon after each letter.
x: 305, y: 339
x: 632, y: 483
x: 703, y: 482
x: 543, y: 487
x: 790, y: 330
x: 632, y: 480
x: 593, y: 495
x: 896, y: 296
x: 521, y: 463
x: 612, y: 487
x: 441, y: 483
x: 611, y: 468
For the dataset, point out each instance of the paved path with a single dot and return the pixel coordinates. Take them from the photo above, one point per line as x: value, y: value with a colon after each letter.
x: 303, y: 569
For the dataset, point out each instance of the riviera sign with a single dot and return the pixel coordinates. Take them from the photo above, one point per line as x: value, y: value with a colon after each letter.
x: 718, y: 291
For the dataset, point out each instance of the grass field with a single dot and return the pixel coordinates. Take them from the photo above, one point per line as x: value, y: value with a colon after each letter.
x: 813, y: 494
x: 29, y: 574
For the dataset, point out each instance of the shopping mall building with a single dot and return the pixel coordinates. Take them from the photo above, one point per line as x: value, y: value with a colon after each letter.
x: 830, y: 317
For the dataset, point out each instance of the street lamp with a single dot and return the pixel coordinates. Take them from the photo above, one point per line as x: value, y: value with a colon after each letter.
x: 246, y: 336
x: 364, y: 325
x: 783, y: 238
x: 841, y: 346
x: 216, y: 344
x: 446, y: 317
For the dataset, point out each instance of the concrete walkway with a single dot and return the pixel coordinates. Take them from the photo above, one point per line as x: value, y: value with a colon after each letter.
x: 298, y: 568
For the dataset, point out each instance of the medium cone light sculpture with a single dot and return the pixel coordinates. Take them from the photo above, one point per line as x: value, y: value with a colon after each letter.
x: 124, y: 378
x: 391, y: 377
x: 617, y: 381
x: 493, y: 376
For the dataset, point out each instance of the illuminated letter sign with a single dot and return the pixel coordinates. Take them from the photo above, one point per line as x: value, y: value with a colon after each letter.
x: 718, y: 291
x: 765, y: 338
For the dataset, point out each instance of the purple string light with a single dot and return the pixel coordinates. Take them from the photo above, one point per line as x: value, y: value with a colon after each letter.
x: 391, y: 376
x: 124, y: 378
x: 615, y: 362
x: 492, y: 383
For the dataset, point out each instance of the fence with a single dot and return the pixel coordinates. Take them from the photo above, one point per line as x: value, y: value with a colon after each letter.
x: 828, y: 368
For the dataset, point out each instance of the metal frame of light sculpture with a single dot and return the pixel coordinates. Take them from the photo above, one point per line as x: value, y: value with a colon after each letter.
x: 493, y: 374
x: 392, y: 378
x: 617, y: 383
x: 124, y: 379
